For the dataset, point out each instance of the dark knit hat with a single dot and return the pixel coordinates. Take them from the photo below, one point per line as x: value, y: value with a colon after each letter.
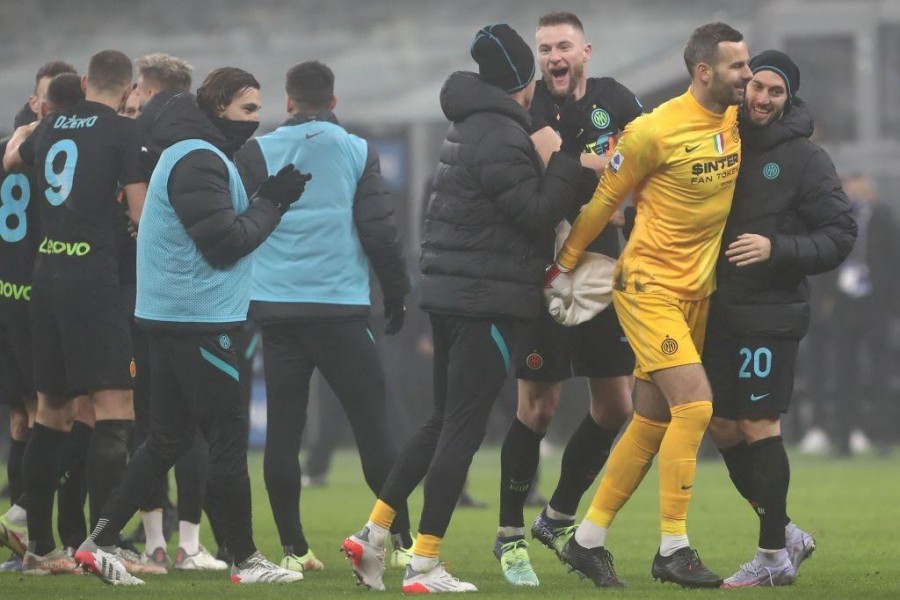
x: 503, y: 57
x: 780, y: 63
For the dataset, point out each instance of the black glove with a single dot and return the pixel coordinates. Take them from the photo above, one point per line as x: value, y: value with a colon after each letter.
x: 572, y: 128
x: 285, y: 187
x: 395, y: 313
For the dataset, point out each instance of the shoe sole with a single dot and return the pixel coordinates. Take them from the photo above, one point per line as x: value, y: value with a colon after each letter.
x: 698, y: 585
x: 353, y: 552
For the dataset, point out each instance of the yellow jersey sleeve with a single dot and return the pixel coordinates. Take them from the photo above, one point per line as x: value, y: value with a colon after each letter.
x: 636, y: 155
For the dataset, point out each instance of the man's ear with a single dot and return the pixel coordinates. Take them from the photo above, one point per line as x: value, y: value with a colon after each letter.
x: 332, y: 103
x: 703, y: 72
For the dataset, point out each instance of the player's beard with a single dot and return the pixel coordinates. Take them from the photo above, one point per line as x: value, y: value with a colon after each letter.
x: 725, y: 93
x: 576, y: 72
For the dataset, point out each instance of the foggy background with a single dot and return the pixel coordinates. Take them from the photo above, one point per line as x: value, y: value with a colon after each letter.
x: 390, y: 58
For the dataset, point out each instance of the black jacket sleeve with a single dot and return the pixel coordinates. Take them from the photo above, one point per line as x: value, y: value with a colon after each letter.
x: 373, y: 215
x: 825, y: 211
x: 199, y: 193
x: 251, y: 164
x: 509, y: 173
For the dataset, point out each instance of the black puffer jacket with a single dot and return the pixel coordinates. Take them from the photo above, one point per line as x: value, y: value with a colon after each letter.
x: 198, y: 184
x: 492, y: 212
x: 788, y: 191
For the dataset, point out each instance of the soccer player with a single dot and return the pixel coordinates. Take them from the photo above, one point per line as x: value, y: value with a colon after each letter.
x: 31, y: 110
x: 158, y: 73
x: 790, y: 219
x: 193, y: 293
x: 19, y: 229
x: 491, y: 204
x: 311, y: 295
x: 79, y: 332
x: 548, y: 353
x: 680, y: 161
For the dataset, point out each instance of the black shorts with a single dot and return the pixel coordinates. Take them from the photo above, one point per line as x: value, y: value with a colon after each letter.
x: 750, y: 374
x: 81, y: 339
x: 16, y: 366
x: 549, y: 352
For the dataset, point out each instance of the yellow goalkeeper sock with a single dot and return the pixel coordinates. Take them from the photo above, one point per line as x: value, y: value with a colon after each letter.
x: 678, y: 463
x: 628, y: 462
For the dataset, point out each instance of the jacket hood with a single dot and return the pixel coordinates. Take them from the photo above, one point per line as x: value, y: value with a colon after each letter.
x: 170, y: 117
x: 464, y: 94
x: 795, y: 123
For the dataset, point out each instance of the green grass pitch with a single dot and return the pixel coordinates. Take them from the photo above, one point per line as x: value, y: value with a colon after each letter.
x: 852, y: 505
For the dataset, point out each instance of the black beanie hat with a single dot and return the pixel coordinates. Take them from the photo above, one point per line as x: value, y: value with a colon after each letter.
x: 503, y: 57
x: 780, y: 63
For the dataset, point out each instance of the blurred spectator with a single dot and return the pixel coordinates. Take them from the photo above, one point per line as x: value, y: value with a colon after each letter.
x: 858, y: 304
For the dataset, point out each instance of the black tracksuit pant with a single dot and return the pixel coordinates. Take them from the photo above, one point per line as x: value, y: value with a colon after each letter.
x: 471, y: 363
x: 195, y: 387
x: 344, y: 353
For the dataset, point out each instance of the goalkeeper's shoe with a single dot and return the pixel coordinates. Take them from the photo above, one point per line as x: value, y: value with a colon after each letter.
x: 257, y: 569
x: 552, y: 534
x: 515, y: 562
x: 685, y: 568
x: 756, y: 574
x: 595, y: 564
x: 106, y: 566
x: 366, y: 558
x: 301, y: 564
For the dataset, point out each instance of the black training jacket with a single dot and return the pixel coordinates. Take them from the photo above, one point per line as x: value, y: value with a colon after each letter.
x: 492, y: 211
x: 788, y: 191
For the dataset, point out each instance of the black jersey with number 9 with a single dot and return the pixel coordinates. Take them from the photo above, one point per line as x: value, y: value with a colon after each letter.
x: 80, y: 156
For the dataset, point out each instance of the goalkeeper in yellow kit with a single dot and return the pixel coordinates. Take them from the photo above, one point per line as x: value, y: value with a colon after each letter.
x: 680, y: 162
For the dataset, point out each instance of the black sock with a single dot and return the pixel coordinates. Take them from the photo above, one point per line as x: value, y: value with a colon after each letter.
x: 519, y: 460
x: 400, y: 528
x: 771, y: 475
x: 737, y: 460
x: 70, y: 521
x: 582, y: 461
x: 106, y: 461
x: 14, y: 468
x: 41, y: 465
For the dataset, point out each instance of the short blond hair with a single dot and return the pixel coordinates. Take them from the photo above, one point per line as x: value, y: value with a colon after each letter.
x: 168, y: 72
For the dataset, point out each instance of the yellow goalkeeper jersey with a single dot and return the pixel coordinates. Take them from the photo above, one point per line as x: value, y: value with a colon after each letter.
x: 681, y: 162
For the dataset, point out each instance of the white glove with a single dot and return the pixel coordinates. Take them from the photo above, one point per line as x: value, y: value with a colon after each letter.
x: 558, y: 290
x: 588, y: 290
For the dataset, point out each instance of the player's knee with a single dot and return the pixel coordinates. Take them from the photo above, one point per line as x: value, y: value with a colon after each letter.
x: 724, y: 432
x: 537, y: 405
x: 760, y: 427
